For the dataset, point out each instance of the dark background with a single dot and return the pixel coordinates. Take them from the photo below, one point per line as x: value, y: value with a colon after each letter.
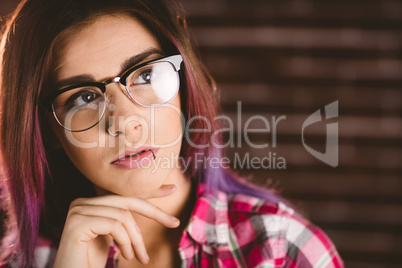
x: 292, y: 58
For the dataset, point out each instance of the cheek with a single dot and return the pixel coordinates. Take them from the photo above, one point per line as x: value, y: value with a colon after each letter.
x: 83, y: 159
x: 167, y: 125
x: 81, y: 148
x: 84, y: 140
x: 95, y: 168
x: 79, y: 152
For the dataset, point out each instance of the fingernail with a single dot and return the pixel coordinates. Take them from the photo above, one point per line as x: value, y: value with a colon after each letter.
x: 174, y: 219
x: 168, y: 187
x: 131, y: 254
x: 146, y: 257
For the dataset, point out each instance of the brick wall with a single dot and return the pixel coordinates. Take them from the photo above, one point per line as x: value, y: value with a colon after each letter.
x: 292, y: 58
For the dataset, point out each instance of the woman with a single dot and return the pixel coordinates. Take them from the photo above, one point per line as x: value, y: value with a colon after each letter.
x: 108, y: 133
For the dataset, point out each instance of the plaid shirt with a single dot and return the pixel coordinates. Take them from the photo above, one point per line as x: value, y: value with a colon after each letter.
x: 241, y: 231
x: 244, y: 231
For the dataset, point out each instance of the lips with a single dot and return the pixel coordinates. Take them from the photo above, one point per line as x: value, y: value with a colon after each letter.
x: 137, y: 158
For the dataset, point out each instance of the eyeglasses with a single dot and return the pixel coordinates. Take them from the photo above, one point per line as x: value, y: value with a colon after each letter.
x: 150, y: 84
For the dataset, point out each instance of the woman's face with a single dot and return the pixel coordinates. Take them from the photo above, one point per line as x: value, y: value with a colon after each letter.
x: 101, y: 51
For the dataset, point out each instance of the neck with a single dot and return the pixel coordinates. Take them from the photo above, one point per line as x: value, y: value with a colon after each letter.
x: 180, y: 204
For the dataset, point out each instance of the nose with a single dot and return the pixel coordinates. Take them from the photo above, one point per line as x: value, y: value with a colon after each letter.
x: 123, y: 116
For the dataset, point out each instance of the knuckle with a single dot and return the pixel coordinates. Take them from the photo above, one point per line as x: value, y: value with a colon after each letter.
x: 126, y: 241
x: 122, y: 214
x: 75, y: 210
x: 74, y: 220
x: 76, y: 216
x: 115, y: 223
x: 125, y: 214
x: 76, y: 202
x: 72, y: 211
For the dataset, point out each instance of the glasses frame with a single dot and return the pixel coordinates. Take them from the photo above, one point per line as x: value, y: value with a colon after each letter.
x: 174, y: 60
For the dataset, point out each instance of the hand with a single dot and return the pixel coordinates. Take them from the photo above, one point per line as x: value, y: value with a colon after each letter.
x: 92, y: 224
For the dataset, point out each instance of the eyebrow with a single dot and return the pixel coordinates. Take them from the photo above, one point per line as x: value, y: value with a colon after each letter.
x: 74, y: 80
x: 139, y: 58
x: 134, y: 60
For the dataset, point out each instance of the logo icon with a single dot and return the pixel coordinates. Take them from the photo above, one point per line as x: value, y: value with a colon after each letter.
x: 330, y: 156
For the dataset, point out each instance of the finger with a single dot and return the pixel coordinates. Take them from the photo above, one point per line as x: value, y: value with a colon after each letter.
x: 139, y: 246
x: 104, y: 226
x: 134, y: 204
x: 125, y: 217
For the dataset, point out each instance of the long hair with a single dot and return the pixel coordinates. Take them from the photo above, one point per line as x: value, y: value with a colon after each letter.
x: 41, y: 182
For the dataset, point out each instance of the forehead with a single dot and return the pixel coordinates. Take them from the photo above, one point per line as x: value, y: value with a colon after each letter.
x: 100, y: 48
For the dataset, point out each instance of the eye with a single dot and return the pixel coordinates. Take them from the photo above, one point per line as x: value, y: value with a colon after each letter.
x: 145, y: 77
x: 83, y: 97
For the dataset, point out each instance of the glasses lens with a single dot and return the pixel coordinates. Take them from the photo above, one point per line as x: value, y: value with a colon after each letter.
x: 80, y: 108
x: 154, y: 84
